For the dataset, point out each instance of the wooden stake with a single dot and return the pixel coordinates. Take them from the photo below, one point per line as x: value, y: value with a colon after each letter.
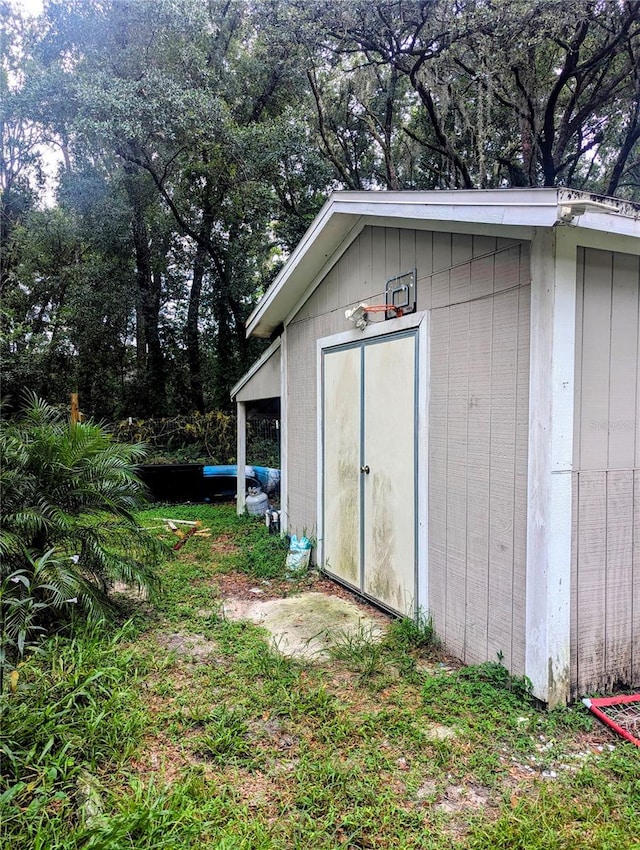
x: 184, y: 538
x: 75, y: 409
x: 181, y: 521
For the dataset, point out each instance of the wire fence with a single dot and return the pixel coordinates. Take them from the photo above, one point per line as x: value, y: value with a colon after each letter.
x: 209, y: 438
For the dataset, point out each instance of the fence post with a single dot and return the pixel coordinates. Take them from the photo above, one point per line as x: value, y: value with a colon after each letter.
x: 75, y: 409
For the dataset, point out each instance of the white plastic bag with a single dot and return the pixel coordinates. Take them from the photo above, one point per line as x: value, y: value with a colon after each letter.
x: 298, y: 555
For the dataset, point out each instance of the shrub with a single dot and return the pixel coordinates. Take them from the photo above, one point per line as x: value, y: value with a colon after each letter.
x: 201, y: 438
x: 67, y: 531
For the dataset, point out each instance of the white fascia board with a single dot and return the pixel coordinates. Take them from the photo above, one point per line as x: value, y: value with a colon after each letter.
x: 481, y: 211
x: 610, y: 232
x: 259, y: 363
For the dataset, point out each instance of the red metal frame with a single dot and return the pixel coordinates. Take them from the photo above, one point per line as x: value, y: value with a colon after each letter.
x: 595, y: 706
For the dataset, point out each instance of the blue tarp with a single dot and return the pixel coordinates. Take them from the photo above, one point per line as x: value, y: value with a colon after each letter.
x: 268, y: 477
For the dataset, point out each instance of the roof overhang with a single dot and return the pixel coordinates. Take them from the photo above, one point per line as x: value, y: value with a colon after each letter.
x: 514, y: 213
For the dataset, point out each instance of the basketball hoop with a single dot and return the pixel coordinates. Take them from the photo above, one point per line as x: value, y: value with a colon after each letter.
x: 360, y: 315
x: 385, y: 308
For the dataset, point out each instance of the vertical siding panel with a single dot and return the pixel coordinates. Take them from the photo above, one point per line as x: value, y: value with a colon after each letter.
x: 440, y: 290
x: 595, y: 359
x: 309, y: 308
x: 482, y: 276
x: 501, y: 498
x: 479, y: 431
x: 575, y: 537
x: 606, y: 523
x: 635, y: 584
x: 392, y: 256
x: 618, y: 605
x: 590, y: 602
x: 520, y: 495
x: 441, y: 251
x: 460, y: 284
x: 461, y: 248
x: 364, y: 264
x: 360, y: 286
x: 438, y: 412
x: 332, y: 288
x: 301, y: 460
x: 458, y: 403
x: 407, y: 251
x: 441, y: 264
x: 483, y: 245
x: 507, y: 268
x: 577, y: 421
x: 378, y: 259
x: 322, y: 289
x: 525, y: 262
x: 352, y: 283
x: 624, y: 356
x: 424, y: 266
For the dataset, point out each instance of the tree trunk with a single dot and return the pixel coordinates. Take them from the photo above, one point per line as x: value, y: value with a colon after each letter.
x: 151, y: 366
x: 193, y: 332
x: 203, y: 252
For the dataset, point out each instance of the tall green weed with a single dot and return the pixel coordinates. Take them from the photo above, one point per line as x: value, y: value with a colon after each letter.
x: 74, y: 708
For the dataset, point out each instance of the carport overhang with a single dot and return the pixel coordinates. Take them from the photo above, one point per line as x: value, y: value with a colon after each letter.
x: 259, y: 389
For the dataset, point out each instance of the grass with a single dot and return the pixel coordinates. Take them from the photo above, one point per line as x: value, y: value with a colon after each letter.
x: 179, y: 728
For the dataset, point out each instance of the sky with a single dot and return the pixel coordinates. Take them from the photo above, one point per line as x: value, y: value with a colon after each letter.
x: 33, y: 7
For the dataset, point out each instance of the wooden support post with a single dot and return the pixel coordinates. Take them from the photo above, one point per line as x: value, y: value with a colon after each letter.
x: 241, y: 456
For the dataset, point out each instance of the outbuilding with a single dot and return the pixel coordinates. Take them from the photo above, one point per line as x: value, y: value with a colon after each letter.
x: 458, y: 375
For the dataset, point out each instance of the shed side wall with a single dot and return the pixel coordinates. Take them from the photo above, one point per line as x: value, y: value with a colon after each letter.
x: 478, y: 437
x: 478, y: 291
x: 605, y: 602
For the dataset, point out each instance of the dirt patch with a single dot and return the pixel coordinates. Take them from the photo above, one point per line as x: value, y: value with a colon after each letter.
x: 161, y: 758
x: 242, y: 586
x: 225, y: 544
x: 130, y: 591
x: 457, y: 798
x: 186, y: 646
x: 304, y: 626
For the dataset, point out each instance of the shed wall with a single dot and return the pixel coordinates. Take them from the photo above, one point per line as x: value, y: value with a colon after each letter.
x: 605, y: 602
x: 478, y: 291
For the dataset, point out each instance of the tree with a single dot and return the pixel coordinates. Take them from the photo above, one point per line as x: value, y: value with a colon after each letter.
x: 20, y: 140
x: 516, y: 93
x: 189, y: 100
x: 198, y: 140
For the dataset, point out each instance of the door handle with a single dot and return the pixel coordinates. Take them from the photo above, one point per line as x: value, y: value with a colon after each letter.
x: 364, y: 469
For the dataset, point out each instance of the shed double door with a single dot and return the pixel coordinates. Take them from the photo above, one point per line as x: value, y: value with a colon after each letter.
x: 369, y: 458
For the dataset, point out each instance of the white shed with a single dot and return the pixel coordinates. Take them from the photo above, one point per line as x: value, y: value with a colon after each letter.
x: 474, y: 452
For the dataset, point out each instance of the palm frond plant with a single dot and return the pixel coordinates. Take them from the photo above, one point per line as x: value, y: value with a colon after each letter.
x: 67, y: 524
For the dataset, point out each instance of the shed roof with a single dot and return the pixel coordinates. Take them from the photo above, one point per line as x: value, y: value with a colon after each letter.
x: 491, y: 212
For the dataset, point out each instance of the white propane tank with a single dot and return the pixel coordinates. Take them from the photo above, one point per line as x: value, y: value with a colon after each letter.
x: 257, y: 502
